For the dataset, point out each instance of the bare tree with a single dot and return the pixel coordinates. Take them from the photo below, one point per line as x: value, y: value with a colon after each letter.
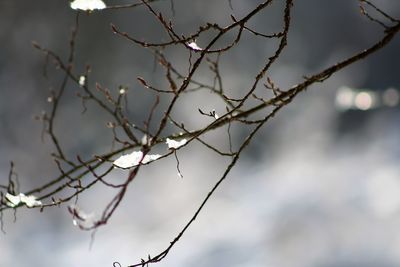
x: 134, y: 142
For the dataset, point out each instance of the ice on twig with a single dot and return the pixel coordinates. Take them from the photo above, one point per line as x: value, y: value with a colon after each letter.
x: 29, y: 201
x: 133, y: 159
x: 81, y: 218
x: 173, y: 144
x: 194, y: 46
x: 82, y: 80
x: 87, y: 5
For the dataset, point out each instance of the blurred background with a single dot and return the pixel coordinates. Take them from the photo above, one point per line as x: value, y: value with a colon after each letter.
x: 318, y: 187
